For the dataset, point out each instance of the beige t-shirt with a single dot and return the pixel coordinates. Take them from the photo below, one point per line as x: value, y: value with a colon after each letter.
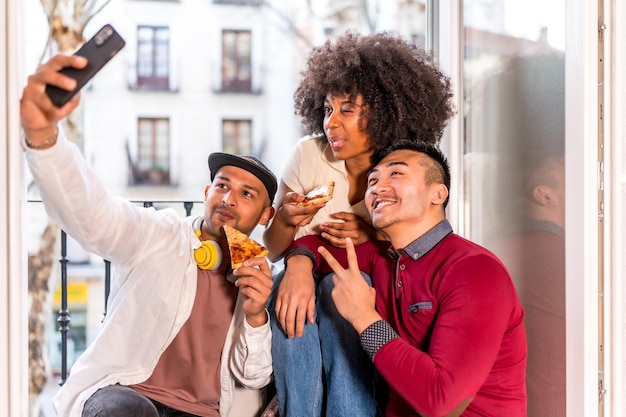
x: 311, y: 165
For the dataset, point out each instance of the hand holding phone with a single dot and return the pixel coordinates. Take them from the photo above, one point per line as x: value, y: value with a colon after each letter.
x: 98, y: 50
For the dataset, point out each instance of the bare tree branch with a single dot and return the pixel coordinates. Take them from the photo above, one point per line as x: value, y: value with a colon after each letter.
x: 371, y: 24
x: 93, y: 13
x: 290, y: 24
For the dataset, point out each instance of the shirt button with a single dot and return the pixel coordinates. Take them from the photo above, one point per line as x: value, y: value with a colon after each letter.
x: 402, y: 267
x: 399, y: 284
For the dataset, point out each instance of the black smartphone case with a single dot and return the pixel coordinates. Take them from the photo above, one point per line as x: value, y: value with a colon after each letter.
x: 98, y: 50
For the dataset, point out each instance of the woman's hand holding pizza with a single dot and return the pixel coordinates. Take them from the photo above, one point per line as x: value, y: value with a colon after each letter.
x: 298, y: 209
x: 293, y: 213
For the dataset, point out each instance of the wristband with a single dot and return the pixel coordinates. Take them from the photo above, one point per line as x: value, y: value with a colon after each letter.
x: 45, y: 144
x: 301, y: 251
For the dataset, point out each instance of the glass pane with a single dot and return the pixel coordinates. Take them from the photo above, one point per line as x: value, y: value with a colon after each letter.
x: 229, y: 134
x: 229, y: 62
x: 162, y: 52
x: 514, y: 169
x: 243, y: 55
x: 144, y: 137
x: 245, y: 137
x: 162, y: 144
x: 145, y: 39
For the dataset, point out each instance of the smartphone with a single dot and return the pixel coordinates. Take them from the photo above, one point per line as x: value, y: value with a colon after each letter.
x: 98, y: 50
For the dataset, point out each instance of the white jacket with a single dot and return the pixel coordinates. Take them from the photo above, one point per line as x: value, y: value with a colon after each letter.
x: 152, y: 292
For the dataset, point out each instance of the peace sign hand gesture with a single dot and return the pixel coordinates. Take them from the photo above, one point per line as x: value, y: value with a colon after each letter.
x: 353, y: 297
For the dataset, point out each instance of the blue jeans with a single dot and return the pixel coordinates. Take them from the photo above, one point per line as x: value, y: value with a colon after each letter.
x: 120, y: 400
x: 330, y: 346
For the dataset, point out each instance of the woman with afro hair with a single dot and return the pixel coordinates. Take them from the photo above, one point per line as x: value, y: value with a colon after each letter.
x: 357, y: 95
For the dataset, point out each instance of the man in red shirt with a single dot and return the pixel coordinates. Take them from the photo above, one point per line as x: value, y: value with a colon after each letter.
x: 443, y: 323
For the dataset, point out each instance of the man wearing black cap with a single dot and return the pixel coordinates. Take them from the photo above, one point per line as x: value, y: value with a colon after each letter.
x: 178, y: 334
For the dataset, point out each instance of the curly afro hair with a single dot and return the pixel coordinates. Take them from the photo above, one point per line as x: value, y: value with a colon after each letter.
x: 405, y: 95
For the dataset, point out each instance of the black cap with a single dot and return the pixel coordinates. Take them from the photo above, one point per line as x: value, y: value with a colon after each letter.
x: 250, y: 163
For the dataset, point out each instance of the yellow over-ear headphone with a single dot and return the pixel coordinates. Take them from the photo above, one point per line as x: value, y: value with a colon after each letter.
x: 209, y: 254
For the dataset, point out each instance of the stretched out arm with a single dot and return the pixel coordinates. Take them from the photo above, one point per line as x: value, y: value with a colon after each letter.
x: 73, y: 195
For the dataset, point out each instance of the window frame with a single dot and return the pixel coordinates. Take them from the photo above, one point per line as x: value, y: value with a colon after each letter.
x: 235, y: 83
x: 238, y: 123
x: 153, y: 81
x: 158, y: 169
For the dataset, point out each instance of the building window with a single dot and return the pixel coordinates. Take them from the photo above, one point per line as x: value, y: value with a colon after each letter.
x: 237, y: 136
x: 153, y: 60
x: 153, y: 151
x: 236, y: 61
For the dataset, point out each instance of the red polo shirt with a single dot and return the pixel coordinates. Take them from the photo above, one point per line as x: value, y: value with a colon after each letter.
x: 455, y: 325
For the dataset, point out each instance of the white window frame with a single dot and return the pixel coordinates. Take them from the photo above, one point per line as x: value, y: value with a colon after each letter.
x: 13, y: 279
x: 615, y: 126
x: 581, y: 212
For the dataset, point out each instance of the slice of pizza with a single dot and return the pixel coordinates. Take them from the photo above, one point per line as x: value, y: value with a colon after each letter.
x: 319, y: 195
x: 242, y: 247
